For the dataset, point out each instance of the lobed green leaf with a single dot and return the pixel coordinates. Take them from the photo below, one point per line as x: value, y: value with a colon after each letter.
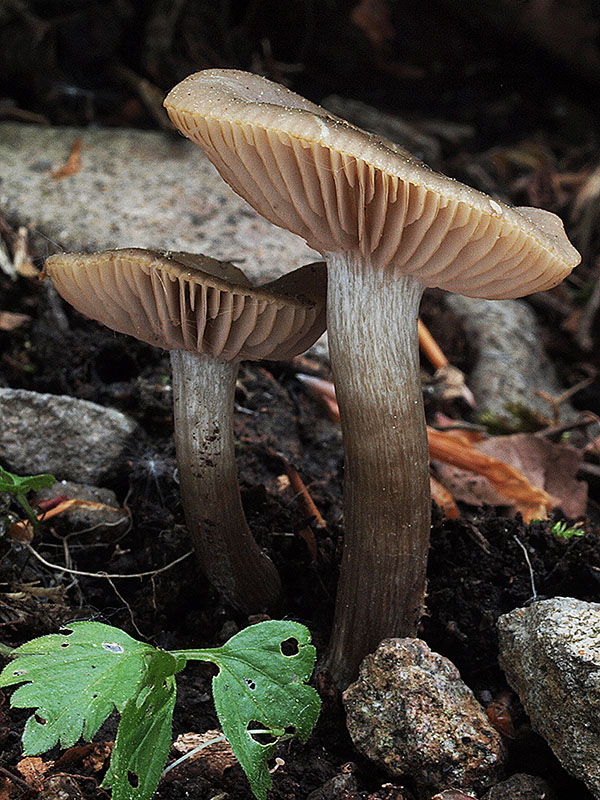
x: 259, y: 687
x: 74, y: 679
x: 144, y: 735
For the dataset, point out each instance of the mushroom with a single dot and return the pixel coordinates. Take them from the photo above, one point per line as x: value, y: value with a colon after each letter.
x: 210, y: 317
x: 387, y: 226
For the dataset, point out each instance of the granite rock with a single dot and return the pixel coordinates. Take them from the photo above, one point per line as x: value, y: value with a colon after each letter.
x: 410, y: 713
x: 69, y: 438
x: 550, y: 653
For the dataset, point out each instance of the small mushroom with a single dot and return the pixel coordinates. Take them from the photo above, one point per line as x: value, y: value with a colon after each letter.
x: 387, y: 226
x: 210, y: 317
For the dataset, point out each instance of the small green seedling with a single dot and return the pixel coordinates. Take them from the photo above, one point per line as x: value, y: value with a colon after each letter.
x: 74, y: 679
x: 20, y: 487
x: 562, y: 531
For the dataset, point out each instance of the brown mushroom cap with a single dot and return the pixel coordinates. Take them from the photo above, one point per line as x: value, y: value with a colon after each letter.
x: 183, y: 301
x: 341, y: 188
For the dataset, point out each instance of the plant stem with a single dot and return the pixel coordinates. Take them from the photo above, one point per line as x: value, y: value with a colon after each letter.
x: 372, y: 322
x: 203, y: 396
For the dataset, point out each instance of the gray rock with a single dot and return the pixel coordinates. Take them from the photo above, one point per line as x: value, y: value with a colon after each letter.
x: 137, y: 189
x: 454, y: 794
x: 521, y: 787
x: 69, y: 438
x: 512, y: 364
x: 550, y: 653
x: 410, y: 712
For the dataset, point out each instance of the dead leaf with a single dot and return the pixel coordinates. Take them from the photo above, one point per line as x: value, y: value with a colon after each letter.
x: 517, y: 491
x: 93, y: 756
x: 10, y: 320
x: 33, y: 769
x: 443, y: 498
x: 54, y: 594
x: 549, y: 466
x: 23, y: 532
x: 72, y: 164
x: 213, y: 760
x: 467, y: 487
x: 98, y: 756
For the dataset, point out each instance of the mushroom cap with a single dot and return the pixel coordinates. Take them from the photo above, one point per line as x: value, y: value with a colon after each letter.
x: 343, y: 189
x: 184, y: 301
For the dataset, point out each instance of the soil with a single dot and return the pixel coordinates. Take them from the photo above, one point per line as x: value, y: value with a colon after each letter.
x: 477, y: 568
x: 501, y: 92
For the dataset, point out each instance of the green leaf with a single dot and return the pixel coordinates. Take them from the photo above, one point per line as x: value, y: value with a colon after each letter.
x: 74, y: 679
x: 21, y: 485
x: 144, y: 735
x: 260, y: 688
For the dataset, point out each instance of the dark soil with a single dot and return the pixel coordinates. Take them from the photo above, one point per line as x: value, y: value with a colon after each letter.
x: 477, y: 568
x: 532, y: 137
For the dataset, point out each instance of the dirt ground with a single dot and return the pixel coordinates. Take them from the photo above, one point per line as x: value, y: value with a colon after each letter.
x: 477, y: 569
x: 525, y: 142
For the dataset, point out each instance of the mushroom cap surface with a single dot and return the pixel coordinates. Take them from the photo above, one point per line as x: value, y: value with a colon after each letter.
x: 343, y: 189
x: 184, y: 301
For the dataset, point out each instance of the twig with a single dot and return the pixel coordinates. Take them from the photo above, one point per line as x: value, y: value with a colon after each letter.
x: 84, y: 574
x: 128, y: 607
x: 534, y: 594
x: 300, y: 490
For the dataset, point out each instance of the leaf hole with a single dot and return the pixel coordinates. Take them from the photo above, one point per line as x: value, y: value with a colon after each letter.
x: 40, y: 720
x: 133, y: 779
x: 18, y: 672
x: 251, y: 684
x: 265, y: 738
x: 94, y: 696
x: 66, y: 644
x: 290, y: 647
x: 113, y: 647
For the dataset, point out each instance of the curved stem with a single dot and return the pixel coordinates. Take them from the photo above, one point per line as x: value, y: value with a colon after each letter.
x: 203, y: 397
x: 372, y: 322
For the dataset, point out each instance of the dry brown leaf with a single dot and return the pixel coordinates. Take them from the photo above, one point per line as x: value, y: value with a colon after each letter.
x: 10, y: 320
x: 72, y: 164
x: 531, y: 501
x: 213, y: 760
x: 93, y: 756
x: 467, y: 487
x: 443, y: 498
x: 481, y: 477
x: 33, y: 769
x: 549, y: 466
x: 23, y: 532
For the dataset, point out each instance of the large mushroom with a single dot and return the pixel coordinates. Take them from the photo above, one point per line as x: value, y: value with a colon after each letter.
x: 387, y: 226
x: 210, y: 317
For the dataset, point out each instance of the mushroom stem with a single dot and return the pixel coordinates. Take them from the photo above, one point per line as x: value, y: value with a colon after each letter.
x: 203, y: 397
x: 372, y: 323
